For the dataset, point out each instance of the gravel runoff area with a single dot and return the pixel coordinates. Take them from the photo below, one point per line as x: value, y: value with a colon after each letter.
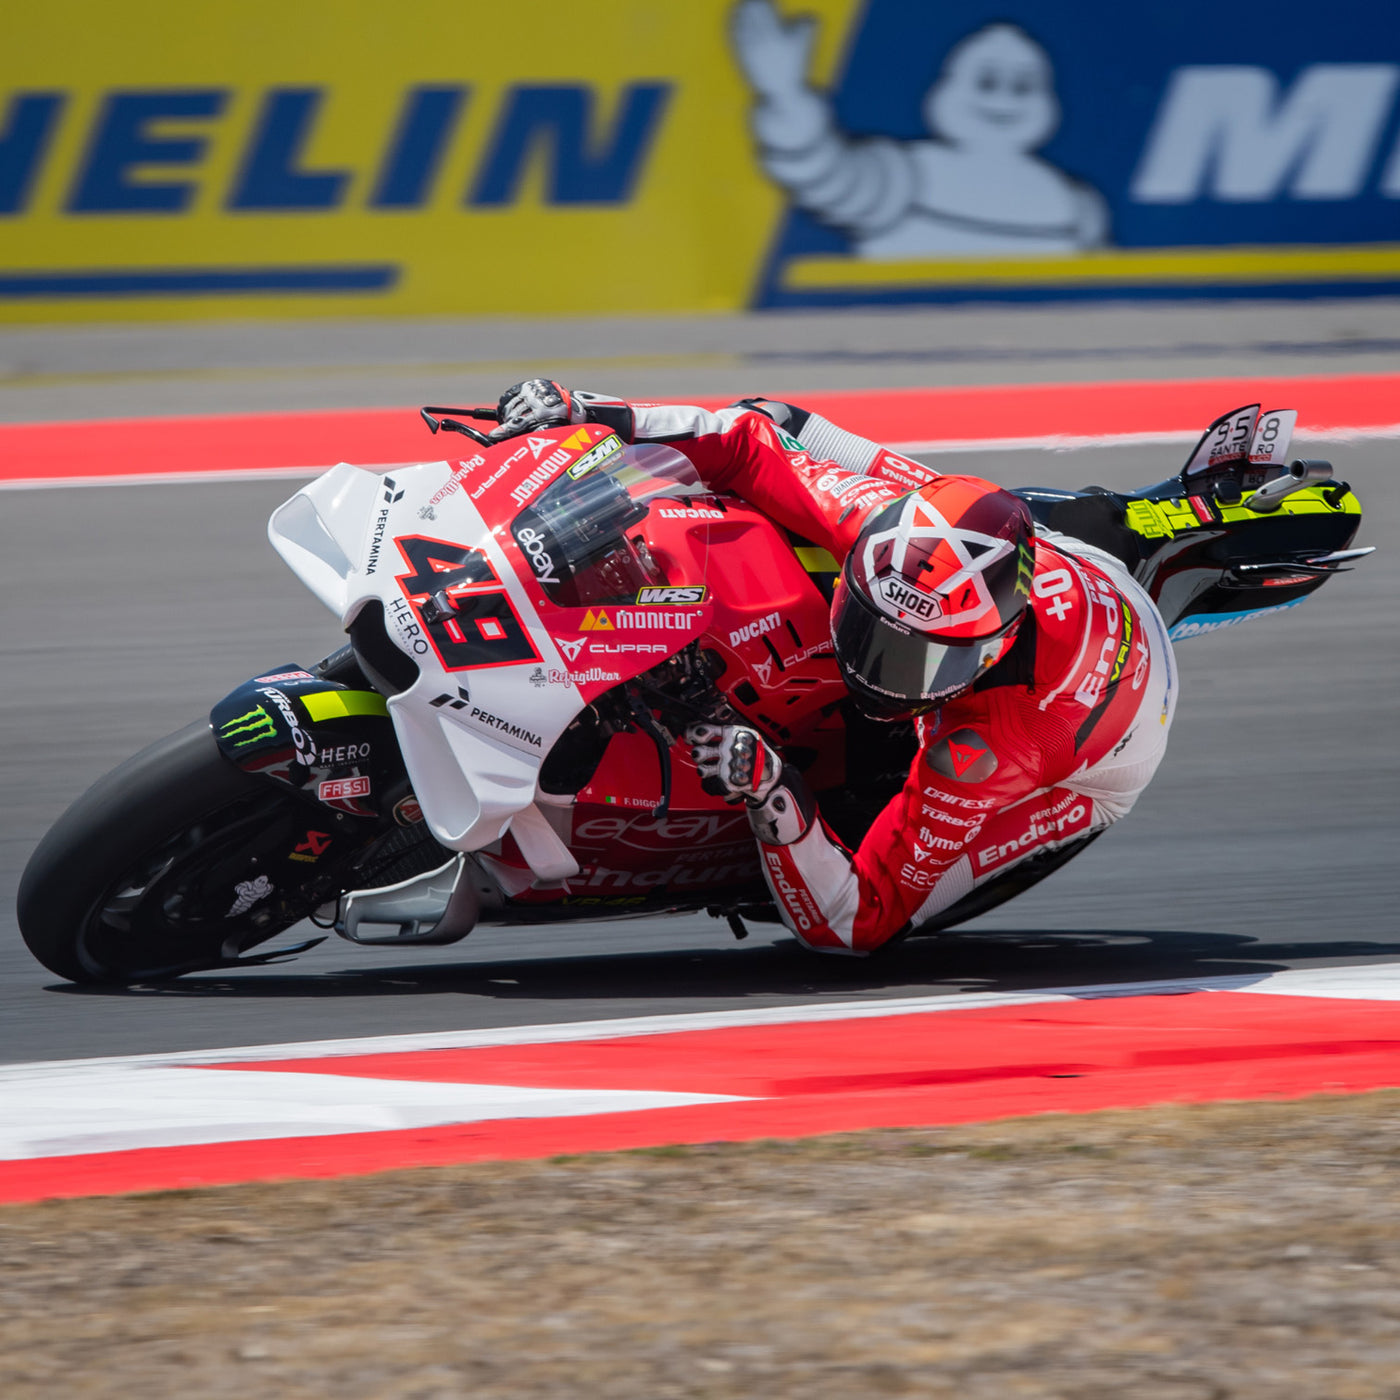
x: 1179, y: 1253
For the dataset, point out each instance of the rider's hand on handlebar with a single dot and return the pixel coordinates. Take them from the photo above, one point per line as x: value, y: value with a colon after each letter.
x: 533, y: 404
x: 737, y: 757
x: 541, y: 403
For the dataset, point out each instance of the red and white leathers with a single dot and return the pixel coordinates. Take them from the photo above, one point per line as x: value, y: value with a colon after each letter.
x: 1055, y: 743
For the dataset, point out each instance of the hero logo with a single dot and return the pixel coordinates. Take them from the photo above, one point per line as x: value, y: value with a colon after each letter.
x: 757, y: 628
x: 532, y: 542
x: 343, y: 753
x: 904, y: 599
x: 401, y: 615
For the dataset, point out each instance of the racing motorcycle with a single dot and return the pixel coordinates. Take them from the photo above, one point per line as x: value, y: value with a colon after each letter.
x: 531, y: 628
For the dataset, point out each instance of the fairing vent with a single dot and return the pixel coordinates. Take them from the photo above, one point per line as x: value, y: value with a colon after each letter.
x: 384, y: 665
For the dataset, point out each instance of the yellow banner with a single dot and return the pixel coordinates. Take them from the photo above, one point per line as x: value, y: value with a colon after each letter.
x: 160, y: 159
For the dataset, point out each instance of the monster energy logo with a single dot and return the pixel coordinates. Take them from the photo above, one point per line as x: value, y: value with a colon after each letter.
x: 1025, y: 570
x: 255, y: 726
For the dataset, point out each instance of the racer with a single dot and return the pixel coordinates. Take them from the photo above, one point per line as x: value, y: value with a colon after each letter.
x: 1036, y: 669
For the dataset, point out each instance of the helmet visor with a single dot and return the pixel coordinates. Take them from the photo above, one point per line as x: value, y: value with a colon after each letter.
x: 907, y: 669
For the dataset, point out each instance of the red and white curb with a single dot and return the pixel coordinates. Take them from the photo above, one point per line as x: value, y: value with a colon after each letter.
x: 233, y: 447
x: 345, y: 1107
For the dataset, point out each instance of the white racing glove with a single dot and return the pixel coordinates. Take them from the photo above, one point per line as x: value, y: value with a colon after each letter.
x: 541, y: 403
x: 739, y: 761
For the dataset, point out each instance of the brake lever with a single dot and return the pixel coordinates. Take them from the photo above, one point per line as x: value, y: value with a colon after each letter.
x: 451, y: 425
x: 646, y: 722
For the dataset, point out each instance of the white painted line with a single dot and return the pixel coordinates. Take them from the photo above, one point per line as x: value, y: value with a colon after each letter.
x: 1070, y: 444
x: 1370, y: 982
x: 116, y: 1103
x: 117, y: 1107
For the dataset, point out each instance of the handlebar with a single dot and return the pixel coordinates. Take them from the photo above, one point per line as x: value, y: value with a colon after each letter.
x: 432, y: 417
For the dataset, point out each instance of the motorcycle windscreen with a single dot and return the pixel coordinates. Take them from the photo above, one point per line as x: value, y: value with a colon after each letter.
x: 588, y: 526
x: 896, y: 662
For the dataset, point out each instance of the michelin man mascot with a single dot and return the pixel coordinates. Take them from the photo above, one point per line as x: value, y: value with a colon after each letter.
x: 975, y: 187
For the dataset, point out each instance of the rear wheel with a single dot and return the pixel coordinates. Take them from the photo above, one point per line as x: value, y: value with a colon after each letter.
x: 173, y: 861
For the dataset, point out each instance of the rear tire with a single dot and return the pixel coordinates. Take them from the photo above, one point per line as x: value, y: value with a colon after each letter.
x: 120, y: 888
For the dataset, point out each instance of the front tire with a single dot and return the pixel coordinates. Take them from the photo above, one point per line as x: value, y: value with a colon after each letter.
x: 136, y: 880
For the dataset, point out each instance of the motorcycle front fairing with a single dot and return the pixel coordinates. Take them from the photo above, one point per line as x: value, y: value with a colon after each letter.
x: 474, y: 573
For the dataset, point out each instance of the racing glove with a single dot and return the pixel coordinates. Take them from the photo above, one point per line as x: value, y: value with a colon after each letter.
x: 541, y: 403
x: 736, y: 761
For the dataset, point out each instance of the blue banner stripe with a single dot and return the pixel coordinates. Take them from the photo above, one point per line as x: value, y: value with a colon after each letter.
x: 200, y: 281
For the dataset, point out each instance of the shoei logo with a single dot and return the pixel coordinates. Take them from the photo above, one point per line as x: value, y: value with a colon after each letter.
x: 672, y: 594
x: 899, y: 595
x: 964, y: 596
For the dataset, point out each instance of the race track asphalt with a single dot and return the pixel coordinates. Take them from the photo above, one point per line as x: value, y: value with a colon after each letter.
x: 1268, y: 840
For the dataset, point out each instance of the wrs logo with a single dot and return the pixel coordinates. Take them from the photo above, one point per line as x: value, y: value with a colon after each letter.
x: 673, y: 594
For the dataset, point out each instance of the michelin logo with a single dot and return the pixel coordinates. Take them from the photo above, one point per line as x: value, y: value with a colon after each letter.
x: 1226, y: 132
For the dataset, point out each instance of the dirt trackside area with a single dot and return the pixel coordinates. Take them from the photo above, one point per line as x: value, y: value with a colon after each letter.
x: 1166, y: 1254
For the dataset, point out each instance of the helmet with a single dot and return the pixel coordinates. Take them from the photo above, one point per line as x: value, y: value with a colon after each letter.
x: 931, y: 595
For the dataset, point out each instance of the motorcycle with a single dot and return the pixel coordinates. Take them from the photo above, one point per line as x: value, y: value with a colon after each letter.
x: 531, y: 628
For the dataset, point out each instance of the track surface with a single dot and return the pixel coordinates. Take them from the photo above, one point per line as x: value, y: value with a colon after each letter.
x: 1268, y: 839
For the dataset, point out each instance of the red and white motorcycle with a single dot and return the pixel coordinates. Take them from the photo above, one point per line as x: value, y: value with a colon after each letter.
x: 532, y: 625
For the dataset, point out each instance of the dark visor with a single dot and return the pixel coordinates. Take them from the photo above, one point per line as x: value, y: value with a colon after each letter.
x: 897, y: 663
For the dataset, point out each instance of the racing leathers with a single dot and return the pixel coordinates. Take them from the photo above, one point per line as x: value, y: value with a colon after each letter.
x: 1048, y: 748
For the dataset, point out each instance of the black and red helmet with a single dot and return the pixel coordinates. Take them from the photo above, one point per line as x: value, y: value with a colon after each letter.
x: 932, y: 594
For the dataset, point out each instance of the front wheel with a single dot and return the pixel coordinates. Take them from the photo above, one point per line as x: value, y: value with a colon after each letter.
x: 172, y: 862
